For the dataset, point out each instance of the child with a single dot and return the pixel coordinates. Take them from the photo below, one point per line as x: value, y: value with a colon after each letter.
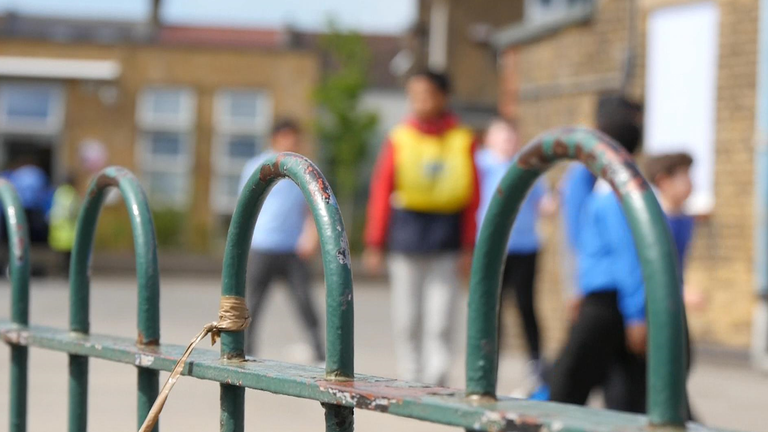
x: 423, y: 203
x: 670, y: 175
x: 62, y: 218
x: 609, y: 327
x: 575, y: 187
x: 284, y: 239
x: 493, y: 162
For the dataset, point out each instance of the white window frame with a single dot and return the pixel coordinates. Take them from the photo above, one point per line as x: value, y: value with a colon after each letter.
x: 184, y: 126
x: 51, y: 126
x: 225, y: 127
x: 681, y: 91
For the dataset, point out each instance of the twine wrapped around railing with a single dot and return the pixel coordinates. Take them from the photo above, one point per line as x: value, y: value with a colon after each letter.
x: 233, y: 317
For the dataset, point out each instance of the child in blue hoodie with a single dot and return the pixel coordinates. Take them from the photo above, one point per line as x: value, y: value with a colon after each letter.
x: 609, y: 327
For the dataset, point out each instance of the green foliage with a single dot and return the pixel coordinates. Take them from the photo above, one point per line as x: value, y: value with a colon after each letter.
x: 344, y: 130
x: 169, y: 226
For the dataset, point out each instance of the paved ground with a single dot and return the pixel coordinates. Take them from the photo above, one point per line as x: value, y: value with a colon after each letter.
x: 723, y: 395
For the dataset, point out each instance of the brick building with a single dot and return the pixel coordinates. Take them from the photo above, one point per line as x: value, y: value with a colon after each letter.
x: 182, y: 107
x: 557, y: 61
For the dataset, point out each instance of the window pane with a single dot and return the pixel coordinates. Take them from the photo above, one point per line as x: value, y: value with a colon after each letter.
x: 166, y: 144
x: 165, y: 102
x: 243, y: 106
x: 243, y: 146
x: 25, y: 102
x: 167, y: 188
x: 229, y: 186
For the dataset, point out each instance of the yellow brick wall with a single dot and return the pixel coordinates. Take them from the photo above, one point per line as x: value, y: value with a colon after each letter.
x: 555, y: 81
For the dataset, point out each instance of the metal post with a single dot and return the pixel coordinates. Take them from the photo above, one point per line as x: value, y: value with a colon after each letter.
x: 666, y: 352
x: 18, y: 267
x: 148, y: 288
x: 760, y: 330
x: 338, y: 275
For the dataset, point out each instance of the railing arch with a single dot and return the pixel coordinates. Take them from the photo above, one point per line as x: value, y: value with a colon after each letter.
x: 148, y: 276
x: 334, y: 247
x: 666, y: 352
x: 18, y: 268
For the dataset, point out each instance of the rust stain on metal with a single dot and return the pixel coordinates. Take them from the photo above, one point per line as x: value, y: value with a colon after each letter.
x: 620, y: 169
x: 560, y: 148
x: 270, y: 171
x: 322, y: 185
x: 535, y: 157
x: 378, y: 395
x: 499, y: 191
x: 140, y: 341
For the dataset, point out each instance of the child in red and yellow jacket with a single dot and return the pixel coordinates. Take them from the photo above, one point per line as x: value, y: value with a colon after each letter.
x: 423, y: 201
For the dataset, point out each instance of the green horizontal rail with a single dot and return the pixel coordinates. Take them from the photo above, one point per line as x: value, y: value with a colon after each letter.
x: 334, y: 247
x: 18, y: 267
x: 666, y: 350
x: 440, y: 405
x: 148, y: 279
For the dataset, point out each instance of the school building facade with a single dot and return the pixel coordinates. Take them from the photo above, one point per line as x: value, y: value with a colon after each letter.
x: 182, y: 107
x: 699, y: 97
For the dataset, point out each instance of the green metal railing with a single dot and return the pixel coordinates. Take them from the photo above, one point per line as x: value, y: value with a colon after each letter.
x: 667, y: 356
x: 338, y: 388
x: 18, y: 268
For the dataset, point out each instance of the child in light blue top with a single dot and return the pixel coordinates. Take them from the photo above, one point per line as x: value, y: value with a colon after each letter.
x: 493, y: 162
x: 283, y: 241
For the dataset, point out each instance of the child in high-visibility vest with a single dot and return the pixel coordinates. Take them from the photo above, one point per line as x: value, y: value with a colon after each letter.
x: 423, y: 202
x: 63, y: 221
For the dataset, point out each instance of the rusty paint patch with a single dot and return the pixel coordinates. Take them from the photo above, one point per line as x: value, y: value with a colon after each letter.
x: 270, y: 171
x: 378, y: 395
x: 140, y: 341
x: 322, y: 186
x: 104, y: 181
x: 16, y: 337
x: 342, y: 254
x: 144, y: 360
x: 620, y: 169
x: 560, y: 149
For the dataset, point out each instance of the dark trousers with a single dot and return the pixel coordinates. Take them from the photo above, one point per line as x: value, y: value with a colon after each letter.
x: 617, y: 388
x: 263, y: 269
x: 519, y: 280
x: 595, y: 355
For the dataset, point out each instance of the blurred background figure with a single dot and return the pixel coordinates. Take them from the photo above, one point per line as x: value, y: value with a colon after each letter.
x: 609, y: 330
x: 671, y: 178
x: 575, y: 187
x: 519, y: 279
x: 284, y: 241
x: 34, y: 189
x: 62, y: 218
x: 422, y: 209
